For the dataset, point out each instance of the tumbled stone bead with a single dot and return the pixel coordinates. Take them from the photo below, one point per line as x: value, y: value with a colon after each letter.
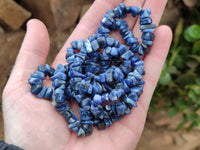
x: 88, y: 46
x: 106, y: 22
x: 123, y: 9
x: 148, y: 36
x: 95, y: 45
x: 96, y: 110
x: 146, y: 21
x: 67, y: 114
x: 131, y: 41
x: 103, y: 30
x: 138, y: 63
x: 74, y: 44
x: 124, y: 26
x: 59, y: 75
x: 127, y: 55
x: 74, y: 73
x: 125, y: 69
x: 110, y: 41
x: 122, y: 49
x: 60, y: 99
x: 148, y: 30
x: 74, y: 126
x: 56, y: 83
x: 33, y: 81
x: 116, y: 12
x: 35, y: 89
x: 140, y: 69
x: 101, y: 125
x: 81, y: 132
x: 42, y: 92
x: 138, y: 90
x: 148, y: 26
x: 97, y: 99
x: 102, y: 77
x: 109, y: 75
x: 145, y: 13
x: 149, y: 43
x: 108, y: 122
x: 133, y: 96
x: 48, y: 93
x: 114, y: 52
x: 128, y: 9
x: 131, y: 103
x: 113, y: 96
x: 118, y: 74
x: 105, y: 97
x: 110, y: 13
x: 102, y: 42
x: 134, y: 59
x: 140, y: 50
x: 71, y: 59
x: 119, y: 23
x: 85, y: 115
x: 87, y: 128
x: 80, y: 44
x: 120, y: 108
x: 38, y: 74
x: 96, y: 88
x: 135, y: 10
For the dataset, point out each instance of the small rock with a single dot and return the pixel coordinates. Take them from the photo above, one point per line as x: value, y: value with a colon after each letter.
x: 12, y: 15
x: 41, y: 10
x: 66, y: 12
x: 2, y: 36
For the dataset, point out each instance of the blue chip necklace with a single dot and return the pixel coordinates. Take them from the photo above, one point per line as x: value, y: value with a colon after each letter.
x: 103, y: 76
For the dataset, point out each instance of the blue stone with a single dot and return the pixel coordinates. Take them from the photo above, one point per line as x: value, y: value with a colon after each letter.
x: 97, y: 99
x: 135, y: 11
x: 60, y: 99
x: 138, y: 63
x: 125, y: 69
x: 135, y: 58
x: 114, y: 52
x: 105, y: 98
x: 83, y: 50
x: 85, y: 115
x: 74, y: 44
x: 74, y: 125
x: 88, y: 46
x: 120, y: 108
x: 133, y: 96
x: 102, y: 42
x: 109, y: 75
x: 35, y: 89
x: 117, y: 44
x: 145, y: 13
x: 124, y: 25
x: 127, y: 55
x: 85, y: 102
x: 138, y: 90
x: 127, y: 35
x: 102, y: 77
x: 140, y: 50
x: 70, y: 50
x: 59, y: 75
x: 43, y: 69
x: 96, y: 110
x: 123, y: 31
x: 42, y: 92
x: 74, y: 73
x: 131, y: 81
x: 56, y: 83
x: 146, y: 21
x: 134, y: 47
x: 131, y: 41
x: 33, y: 81
x: 128, y: 9
x: 67, y: 114
x: 110, y: 41
x: 140, y: 69
x: 80, y: 44
x: 48, y: 93
x: 119, y: 23
x: 101, y: 125
x: 38, y: 74
x: 73, y: 119
x: 103, y: 30
x: 136, y: 74
x: 148, y: 30
x: 110, y: 13
x: 89, y: 122
x: 131, y: 103
x: 149, y: 43
x: 148, y: 36
x: 71, y: 59
x: 122, y: 49
x: 108, y: 122
x: 127, y: 63
x: 81, y: 132
x: 116, y: 12
x: 148, y: 26
x: 118, y: 74
x: 107, y: 50
x: 106, y: 22
x: 96, y: 88
x: 87, y: 128
x: 95, y: 45
x: 113, y: 96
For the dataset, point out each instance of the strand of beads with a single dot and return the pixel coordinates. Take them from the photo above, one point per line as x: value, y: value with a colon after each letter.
x: 102, y: 75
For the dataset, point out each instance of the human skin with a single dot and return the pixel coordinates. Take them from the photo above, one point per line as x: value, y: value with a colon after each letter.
x: 34, y: 124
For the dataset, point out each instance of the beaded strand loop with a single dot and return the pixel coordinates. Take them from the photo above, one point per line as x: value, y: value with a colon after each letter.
x: 102, y: 75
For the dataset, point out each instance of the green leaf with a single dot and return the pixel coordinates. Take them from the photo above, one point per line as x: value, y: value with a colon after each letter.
x: 197, y: 58
x: 165, y: 78
x: 192, y: 33
x: 196, y: 48
x: 192, y: 64
x: 186, y: 79
x: 178, y: 31
x: 173, y: 111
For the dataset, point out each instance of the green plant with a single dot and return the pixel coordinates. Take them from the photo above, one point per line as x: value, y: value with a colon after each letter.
x: 178, y: 89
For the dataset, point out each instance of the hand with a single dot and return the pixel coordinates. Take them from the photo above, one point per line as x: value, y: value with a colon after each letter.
x: 34, y: 124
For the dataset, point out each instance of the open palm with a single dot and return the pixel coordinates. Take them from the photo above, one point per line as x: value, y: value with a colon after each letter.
x: 34, y: 124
